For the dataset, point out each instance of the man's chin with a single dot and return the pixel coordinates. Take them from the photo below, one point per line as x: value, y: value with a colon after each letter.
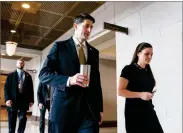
x: 148, y: 62
x: 86, y: 38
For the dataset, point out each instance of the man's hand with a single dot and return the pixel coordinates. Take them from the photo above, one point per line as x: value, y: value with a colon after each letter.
x: 9, y: 103
x: 30, y: 104
x: 79, y: 79
x: 101, y: 118
x: 40, y: 105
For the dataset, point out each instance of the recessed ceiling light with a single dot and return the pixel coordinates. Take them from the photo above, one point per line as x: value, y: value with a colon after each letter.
x: 26, y: 6
x: 2, y: 54
x: 13, y: 31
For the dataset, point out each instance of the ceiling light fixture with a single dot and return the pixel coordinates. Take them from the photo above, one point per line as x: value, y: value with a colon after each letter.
x: 10, y: 47
x: 3, y: 54
x: 26, y: 6
x: 12, y: 31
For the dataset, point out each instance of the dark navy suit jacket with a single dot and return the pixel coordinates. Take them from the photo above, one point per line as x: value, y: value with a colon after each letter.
x: 11, y: 90
x: 61, y: 63
x: 42, y: 93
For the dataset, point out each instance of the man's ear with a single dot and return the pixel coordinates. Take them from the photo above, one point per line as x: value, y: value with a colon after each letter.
x: 75, y: 26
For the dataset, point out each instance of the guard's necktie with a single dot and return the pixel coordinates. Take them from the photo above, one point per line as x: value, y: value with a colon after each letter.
x: 20, y: 81
x: 82, y: 58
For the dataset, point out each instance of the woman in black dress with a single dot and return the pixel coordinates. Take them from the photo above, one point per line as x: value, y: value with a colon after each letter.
x: 136, y: 85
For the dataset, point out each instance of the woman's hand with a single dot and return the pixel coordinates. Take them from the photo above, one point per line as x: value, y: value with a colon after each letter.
x: 146, y: 96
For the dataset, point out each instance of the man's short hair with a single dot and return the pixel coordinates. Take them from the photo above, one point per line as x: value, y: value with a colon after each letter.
x: 83, y: 16
x: 21, y: 59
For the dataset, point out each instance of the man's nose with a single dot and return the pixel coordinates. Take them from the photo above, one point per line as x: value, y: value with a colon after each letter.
x: 89, y: 29
x: 150, y: 56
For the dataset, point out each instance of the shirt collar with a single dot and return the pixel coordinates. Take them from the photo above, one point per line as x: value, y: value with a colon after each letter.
x: 19, y: 71
x: 77, y: 42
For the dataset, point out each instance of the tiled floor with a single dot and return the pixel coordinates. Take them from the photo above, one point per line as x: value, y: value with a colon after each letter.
x: 3, y: 115
x: 33, y: 126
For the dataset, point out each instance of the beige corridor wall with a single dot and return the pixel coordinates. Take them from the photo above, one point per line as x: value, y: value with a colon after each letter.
x: 108, y: 82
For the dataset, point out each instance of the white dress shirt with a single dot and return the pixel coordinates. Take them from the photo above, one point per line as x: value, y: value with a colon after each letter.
x: 19, y: 72
x: 77, y: 45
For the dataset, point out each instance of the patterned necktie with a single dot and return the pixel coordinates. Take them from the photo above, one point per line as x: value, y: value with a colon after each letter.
x: 20, y: 81
x: 82, y: 58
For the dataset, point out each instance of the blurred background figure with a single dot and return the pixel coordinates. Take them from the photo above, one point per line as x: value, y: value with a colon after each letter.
x: 19, y: 96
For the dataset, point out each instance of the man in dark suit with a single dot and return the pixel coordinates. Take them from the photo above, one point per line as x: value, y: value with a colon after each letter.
x: 75, y: 108
x: 19, y: 96
x: 44, y: 97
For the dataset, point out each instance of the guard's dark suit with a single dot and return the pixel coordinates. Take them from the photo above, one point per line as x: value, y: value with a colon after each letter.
x: 20, y: 101
x: 44, y: 98
x: 66, y: 106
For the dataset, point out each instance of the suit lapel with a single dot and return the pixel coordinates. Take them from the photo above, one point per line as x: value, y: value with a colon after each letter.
x: 72, y: 50
x: 16, y: 77
x: 25, y: 79
x: 89, y: 51
x: 15, y: 81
